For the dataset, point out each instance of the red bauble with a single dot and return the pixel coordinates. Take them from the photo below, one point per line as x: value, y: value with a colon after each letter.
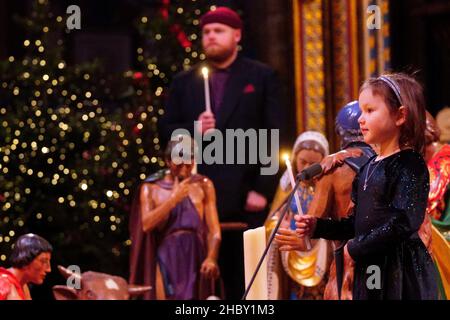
x: 86, y: 155
x: 136, y: 130
x: 138, y: 75
x: 181, y: 36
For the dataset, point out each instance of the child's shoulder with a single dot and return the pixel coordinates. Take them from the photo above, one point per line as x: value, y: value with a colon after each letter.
x: 410, y: 155
x: 408, y: 159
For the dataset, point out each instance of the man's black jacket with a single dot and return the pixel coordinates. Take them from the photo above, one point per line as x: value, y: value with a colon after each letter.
x: 251, y: 101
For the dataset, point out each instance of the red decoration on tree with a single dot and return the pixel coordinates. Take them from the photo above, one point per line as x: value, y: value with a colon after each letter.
x: 175, y: 29
x: 165, y: 9
x: 181, y: 36
x: 86, y: 155
x: 140, y: 80
x: 138, y: 75
x: 136, y: 130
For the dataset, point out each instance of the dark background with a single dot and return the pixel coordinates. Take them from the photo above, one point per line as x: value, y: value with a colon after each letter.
x: 421, y: 42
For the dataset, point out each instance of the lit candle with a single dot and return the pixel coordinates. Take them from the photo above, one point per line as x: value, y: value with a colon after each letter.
x: 206, y: 83
x: 297, y: 199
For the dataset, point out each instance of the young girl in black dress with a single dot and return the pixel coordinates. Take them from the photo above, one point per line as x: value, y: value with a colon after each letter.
x: 389, y: 195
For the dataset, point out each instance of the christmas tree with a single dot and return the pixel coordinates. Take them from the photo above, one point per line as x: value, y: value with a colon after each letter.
x: 68, y: 162
x: 74, y: 145
x: 170, y: 39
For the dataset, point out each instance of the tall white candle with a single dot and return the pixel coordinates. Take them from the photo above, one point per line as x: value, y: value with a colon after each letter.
x: 206, y: 84
x: 254, y: 246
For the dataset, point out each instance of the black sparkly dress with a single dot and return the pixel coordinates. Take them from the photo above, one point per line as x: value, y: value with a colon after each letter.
x: 383, y: 230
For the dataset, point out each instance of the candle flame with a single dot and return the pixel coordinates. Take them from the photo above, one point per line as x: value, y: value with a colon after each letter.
x: 286, y: 156
x: 205, y: 72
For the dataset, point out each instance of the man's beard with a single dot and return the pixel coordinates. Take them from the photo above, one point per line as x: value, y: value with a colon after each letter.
x: 219, y: 54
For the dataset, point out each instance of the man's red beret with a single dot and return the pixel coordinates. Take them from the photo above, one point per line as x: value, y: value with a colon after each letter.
x: 222, y: 15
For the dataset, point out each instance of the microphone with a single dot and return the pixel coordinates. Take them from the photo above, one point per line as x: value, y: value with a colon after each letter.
x: 310, y: 172
x: 306, y: 174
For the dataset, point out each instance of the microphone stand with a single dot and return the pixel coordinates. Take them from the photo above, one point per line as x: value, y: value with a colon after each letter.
x: 272, y: 236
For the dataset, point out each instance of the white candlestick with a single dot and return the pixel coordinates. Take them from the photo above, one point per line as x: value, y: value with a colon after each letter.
x: 254, y: 246
x: 291, y: 178
x: 206, y: 83
x: 297, y: 199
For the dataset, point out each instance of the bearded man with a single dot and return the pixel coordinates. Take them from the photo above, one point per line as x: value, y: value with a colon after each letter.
x: 244, y: 95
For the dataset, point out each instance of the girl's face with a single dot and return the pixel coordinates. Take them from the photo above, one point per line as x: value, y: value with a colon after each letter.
x: 305, y: 158
x: 377, y: 123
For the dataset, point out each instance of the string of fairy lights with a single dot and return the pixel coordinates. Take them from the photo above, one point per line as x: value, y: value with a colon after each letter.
x: 67, y: 161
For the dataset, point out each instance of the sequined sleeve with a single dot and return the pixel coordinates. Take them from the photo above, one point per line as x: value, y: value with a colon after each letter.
x: 407, y: 207
x: 329, y: 229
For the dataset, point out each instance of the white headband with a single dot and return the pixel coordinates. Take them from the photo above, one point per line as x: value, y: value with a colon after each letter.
x: 393, y: 85
x: 311, y: 136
